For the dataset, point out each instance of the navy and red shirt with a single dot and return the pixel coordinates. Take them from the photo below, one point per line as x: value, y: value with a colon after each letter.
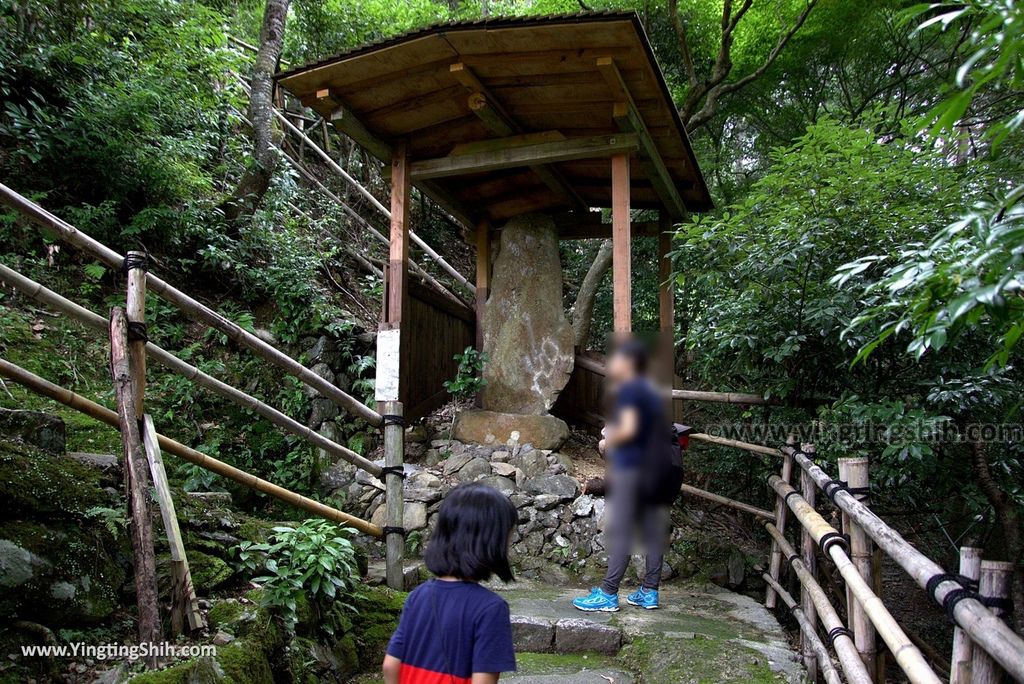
x: 449, y: 630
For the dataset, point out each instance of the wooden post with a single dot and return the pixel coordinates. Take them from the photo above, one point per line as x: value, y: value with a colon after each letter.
x: 184, y: 603
x: 960, y: 663
x: 483, y: 278
x: 398, y: 250
x: 135, y: 310
x: 808, y: 550
x: 389, y: 393
x: 394, y: 458
x: 775, y: 560
x: 855, y: 472
x: 622, y: 299
x: 666, y: 303
x: 993, y: 583
x: 136, y: 485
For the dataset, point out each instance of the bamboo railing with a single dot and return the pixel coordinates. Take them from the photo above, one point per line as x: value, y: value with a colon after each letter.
x: 984, y: 644
x: 187, y: 305
x: 139, y: 279
x: 104, y: 415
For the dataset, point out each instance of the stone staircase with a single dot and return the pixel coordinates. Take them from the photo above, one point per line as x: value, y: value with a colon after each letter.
x: 701, y: 634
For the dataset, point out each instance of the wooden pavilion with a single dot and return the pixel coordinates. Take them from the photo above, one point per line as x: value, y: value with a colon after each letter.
x: 501, y: 117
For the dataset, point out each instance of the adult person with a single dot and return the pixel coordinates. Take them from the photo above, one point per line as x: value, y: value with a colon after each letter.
x: 630, y: 441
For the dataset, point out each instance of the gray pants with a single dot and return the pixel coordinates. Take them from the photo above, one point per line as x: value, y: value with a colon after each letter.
x: 626, y: 514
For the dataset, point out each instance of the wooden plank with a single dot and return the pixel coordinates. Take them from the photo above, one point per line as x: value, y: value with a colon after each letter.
x: 628, y: 119
x: 183, y: 593
x: 398, y: 249
x: 622, y: 299
x: 483, y: 278
x: 525, y: 155
x: 490, y: 110
x: 505, y: 143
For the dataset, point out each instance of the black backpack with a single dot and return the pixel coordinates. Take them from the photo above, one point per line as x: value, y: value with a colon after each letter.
x: 663, y: 477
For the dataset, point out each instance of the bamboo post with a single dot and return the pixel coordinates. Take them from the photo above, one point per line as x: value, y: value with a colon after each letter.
x: 136, y: 485
x: 960, y: 662
x: 807, y: 630
x: 994, y: 582
x: 184, y: 603
x: 855, y: 472
x: 166, y: 359
x: 189, y: 306
x: 735, y: 443
x: 775, y: 559
x: 907, y: 655
x: 842, y: 640
x: 731, y: 503
x: 986, y: 629
x: 394, y: 458
x: 808, y: 551
x: 104, y: 415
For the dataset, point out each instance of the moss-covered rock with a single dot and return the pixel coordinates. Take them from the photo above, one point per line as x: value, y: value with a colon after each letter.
x: 208, y: 572
x: 61, y: 573
x: 38, y: 484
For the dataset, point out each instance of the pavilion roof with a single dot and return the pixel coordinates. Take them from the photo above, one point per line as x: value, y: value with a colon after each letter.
x: 509, y: 116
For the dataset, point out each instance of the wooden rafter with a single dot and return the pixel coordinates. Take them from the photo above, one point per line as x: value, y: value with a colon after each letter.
x: 513, y: 155
x: 628, y: 119
x: 349, y: 124
x: 500, y: 122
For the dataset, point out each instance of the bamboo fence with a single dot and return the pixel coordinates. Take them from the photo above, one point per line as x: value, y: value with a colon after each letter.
x: 96, y: 322
x: 807, y: 630
x: 986, y: 629
x: 188, y: 305
x: 101, y: 413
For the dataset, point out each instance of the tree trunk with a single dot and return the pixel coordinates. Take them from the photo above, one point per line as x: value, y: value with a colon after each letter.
x: 1009, y: 521
x: 256, y: 179
x: 583, y: 309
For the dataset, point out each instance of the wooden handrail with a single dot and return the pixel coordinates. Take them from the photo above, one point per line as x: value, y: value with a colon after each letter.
x: 104, y: 415
x: 188, y: 305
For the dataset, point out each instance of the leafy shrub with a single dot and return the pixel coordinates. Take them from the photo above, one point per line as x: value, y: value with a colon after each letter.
x: 468, y: 379
x: 315, y: 561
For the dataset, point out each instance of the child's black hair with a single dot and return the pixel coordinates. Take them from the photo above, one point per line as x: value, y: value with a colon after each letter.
x: 470, y: 540
x: 637, y: 353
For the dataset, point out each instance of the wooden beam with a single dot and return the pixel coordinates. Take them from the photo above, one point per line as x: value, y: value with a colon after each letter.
x: 483, y: 279
x: 497, y: 119
x: 622, y: 299
x: 524, y: 155
x: 398, y: 250
x: 627, y: 118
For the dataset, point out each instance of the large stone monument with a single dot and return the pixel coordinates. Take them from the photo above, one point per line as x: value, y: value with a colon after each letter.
x: 527, y: 339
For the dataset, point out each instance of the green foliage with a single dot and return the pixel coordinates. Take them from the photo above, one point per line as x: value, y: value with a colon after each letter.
x: 113, y: 519
x: 314, y: 562
x: 468, y: 380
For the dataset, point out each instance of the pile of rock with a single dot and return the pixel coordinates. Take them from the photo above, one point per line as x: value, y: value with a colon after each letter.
x: 557, y: 525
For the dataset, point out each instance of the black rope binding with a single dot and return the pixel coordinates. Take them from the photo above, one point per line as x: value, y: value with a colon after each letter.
x: 837, y: 632
x: 932, y: 585
x: 794, y: 557
x: 392, y: 529
x: 137, y: 332
x: 785, y: 499
x: 830, y: 539
x: 1000, y: 604
x: 135, y: 261
x: 954, y: 597
x: 833, y: 487
x: 391, y: 419
x: 396, y: 470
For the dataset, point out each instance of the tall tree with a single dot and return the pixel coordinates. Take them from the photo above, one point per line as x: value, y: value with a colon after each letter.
x: 256, y: 179
x: 705, y: 90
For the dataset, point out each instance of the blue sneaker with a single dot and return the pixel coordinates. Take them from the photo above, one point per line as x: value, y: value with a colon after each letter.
x: 644, y: 598
x: 597, y: 602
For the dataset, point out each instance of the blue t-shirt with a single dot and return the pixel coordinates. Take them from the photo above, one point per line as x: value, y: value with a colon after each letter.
x: 637, y: 394
x: 449, y: 630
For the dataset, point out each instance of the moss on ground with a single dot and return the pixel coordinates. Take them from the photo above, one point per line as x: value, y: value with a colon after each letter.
x: 700, y: 660
x: 42, y: 485
x: 560, y: 663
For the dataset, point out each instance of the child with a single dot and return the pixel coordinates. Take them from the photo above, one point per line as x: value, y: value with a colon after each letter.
x: 452, y: 630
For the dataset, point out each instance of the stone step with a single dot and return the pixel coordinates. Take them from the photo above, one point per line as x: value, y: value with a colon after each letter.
x: 533, y: 634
